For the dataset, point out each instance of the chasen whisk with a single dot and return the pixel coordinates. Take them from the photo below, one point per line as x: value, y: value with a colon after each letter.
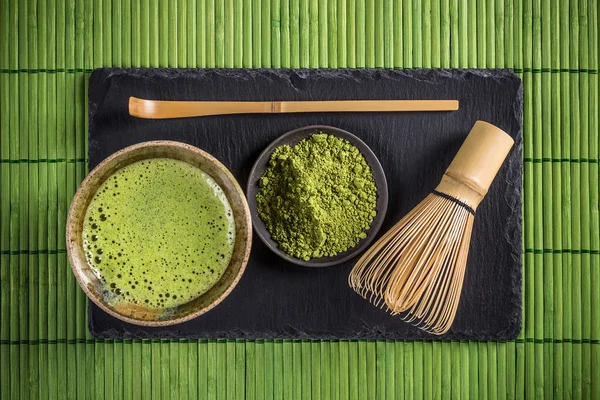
x: 417, y: 268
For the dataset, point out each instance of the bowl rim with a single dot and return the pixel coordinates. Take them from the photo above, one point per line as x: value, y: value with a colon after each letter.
x: 78, y: 199
x: 378, y: 176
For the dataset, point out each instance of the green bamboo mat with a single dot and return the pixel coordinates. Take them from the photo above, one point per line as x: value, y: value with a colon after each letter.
x: 47, y: 50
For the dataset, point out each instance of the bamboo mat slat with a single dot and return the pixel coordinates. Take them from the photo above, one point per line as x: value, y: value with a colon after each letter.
x: 49, y: 48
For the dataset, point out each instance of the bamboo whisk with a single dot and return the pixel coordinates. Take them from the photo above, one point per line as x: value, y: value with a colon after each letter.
x: 417, y: 268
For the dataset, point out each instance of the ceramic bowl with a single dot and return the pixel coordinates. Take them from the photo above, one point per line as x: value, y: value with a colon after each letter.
x: 137, y: 314
x: 292, y: 138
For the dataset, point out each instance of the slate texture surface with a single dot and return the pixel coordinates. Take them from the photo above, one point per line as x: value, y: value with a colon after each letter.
x: 275, y: 299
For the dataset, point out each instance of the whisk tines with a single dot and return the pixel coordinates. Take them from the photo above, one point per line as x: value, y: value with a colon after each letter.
x: 408, y: 272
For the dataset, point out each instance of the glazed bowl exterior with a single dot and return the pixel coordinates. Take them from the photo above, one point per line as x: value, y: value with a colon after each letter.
x: 135, y: 313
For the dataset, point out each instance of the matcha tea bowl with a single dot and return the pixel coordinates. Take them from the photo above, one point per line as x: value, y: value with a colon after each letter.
x: 158, y: 233
x: 318, y: 196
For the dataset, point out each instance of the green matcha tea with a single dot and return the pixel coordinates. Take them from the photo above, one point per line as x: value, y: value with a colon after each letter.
x: 159, y: 233
x: 317, y: 198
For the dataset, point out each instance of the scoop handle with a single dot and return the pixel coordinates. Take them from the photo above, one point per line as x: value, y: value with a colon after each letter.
x: 159, y: 109
x: 480, y: 157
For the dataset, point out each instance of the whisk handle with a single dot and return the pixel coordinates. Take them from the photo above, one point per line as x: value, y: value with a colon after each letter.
x: 476, y: 164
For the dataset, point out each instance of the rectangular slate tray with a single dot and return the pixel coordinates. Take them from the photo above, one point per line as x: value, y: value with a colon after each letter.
x: 275, y: 299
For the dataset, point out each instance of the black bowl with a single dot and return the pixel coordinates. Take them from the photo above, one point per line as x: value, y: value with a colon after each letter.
x: 292, y: 138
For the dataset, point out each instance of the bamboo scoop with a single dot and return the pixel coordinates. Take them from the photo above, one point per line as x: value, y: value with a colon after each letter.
x: 160, y: 109
x: 417, y: 268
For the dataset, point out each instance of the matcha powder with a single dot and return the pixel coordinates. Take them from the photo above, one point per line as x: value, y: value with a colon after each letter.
x: 317, y: 198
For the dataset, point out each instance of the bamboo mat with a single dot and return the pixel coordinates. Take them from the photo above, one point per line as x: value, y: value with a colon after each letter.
x: 47, y: 50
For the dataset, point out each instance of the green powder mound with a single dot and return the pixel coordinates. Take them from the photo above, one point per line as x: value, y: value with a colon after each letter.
x: 317, y: 198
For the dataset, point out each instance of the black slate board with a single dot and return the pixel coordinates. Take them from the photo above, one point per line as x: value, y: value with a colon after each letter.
x: 275, y: 299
